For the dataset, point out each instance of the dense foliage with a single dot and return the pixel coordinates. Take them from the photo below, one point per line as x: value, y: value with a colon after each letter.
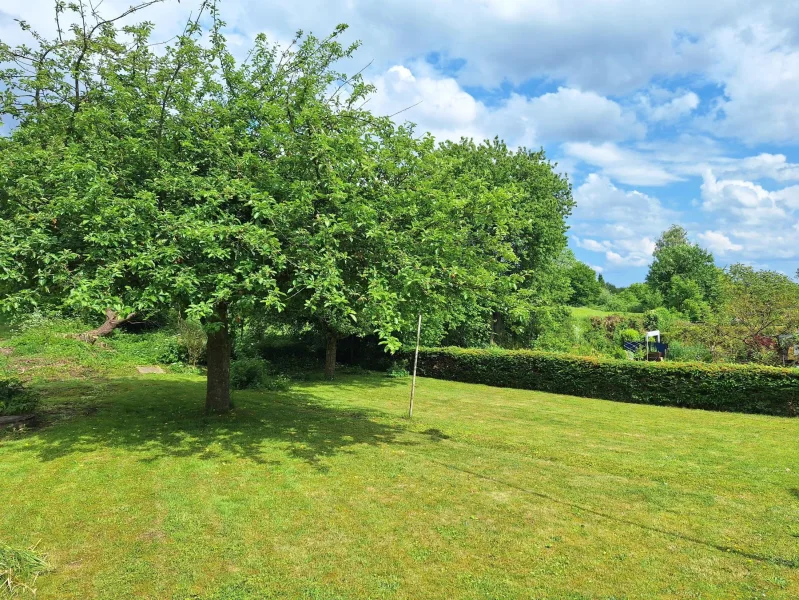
x: 257, y: 374
x: 140, y: 179
x: 760, y: 303
x: 15, y: 398
x: 738, y: 388
x: 684, y: 274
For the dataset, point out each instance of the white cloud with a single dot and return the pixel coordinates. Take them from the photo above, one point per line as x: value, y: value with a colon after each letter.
x: 717, y: 242
x: 439, y: 104
x: 758, y: 65
x: 615, y: 258
x: 617, y: 223
x: 746, y: 202
x: 168, y: 17
x: 590, y: 244
x: 662, y: 162
x: 592, y: 50
x: 609, y: 47
x: 571, y: 114
x: 751, y: 221
x: 762, y: 166
x: 673, y: 108
x: 622, y: 165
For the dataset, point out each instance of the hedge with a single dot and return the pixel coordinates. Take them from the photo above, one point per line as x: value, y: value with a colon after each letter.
x: 721, y: 387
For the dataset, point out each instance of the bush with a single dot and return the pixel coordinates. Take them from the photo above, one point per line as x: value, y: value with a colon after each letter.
x: 192, y: 339
x: 620, y: 353
x: 661, y: 319
x: 256, y: 374
x: 398, y: 369
x: 681, y: 352
x: 169, y: 351
x: 739, y: 388
x: 629, y: 335
x: 15, y: 398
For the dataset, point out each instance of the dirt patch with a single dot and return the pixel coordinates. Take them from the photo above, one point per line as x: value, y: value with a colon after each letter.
x: 153, y: 535
x: 156, y: 370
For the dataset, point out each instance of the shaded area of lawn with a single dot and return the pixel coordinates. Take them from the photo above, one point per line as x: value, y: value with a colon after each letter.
x: 326, y: 491
x: 164, y: 419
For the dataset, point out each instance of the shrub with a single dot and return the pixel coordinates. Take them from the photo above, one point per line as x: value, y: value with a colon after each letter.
x: 620, y: 353
x: 256, y: 374
x: 629, y: 335
x: 192, y: 339
x: 615, y: 302
x: 398, y: 369
x: 682, y: 352
x: 740, y: 388
x: 608, y: 324
x: 169, y: 351
x: 661, y: 319
x: 15, y: 398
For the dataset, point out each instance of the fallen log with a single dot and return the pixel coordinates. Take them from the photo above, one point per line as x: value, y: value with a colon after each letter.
x: 112, y: 321
x: 11, y: 419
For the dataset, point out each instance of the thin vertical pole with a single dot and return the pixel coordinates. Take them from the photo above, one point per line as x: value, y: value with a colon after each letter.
x: 415, y: 362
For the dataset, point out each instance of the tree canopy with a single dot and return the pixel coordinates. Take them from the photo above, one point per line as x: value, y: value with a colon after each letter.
x: 684, y: 274
x: 760, y: 302
x: 585, y: 286
x: 140, y: 177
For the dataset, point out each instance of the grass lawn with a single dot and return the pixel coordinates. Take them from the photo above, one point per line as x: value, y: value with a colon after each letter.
x: 326, y: 491
x: 584, y: 311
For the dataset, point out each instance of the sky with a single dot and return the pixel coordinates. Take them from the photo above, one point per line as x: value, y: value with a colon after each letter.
x: 685, y: 111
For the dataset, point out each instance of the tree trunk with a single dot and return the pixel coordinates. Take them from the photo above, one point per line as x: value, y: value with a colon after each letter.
x: 497, y: 329
x: 217, y: 395
x: 112, y: 321
x: 330, y: 355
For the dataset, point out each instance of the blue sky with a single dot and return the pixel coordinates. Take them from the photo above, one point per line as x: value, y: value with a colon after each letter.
x: 660, y: 112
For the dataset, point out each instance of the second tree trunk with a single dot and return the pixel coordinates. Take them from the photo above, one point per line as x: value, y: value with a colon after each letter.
x: 330, y: 355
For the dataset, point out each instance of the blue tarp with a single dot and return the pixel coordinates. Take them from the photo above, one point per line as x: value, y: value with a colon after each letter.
x: 653, y: 347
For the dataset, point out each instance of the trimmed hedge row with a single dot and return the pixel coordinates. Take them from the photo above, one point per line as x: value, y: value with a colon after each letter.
x: 735, y: 388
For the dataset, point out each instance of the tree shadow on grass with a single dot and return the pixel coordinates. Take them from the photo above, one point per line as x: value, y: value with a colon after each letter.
x: 164, y: 418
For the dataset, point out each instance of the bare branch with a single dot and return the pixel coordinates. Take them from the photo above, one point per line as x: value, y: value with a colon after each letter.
x: 404, y: 109
x: 347, y: 81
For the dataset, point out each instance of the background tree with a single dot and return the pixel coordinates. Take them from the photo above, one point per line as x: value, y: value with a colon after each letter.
x: 584, y: 285
x: 684, y: 274
x: 760, y: 303
x: 676, y: 235
x: 352, y: 268
x: 510, y: 209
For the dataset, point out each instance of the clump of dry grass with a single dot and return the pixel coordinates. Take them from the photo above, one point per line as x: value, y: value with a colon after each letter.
x: 19, y: 570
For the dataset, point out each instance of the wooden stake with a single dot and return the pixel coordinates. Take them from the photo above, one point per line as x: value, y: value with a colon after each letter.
x: 415, y: 361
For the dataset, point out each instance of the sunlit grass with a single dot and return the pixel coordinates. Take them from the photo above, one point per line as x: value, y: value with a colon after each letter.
x: 584, y: 311
x: 327, y: 491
